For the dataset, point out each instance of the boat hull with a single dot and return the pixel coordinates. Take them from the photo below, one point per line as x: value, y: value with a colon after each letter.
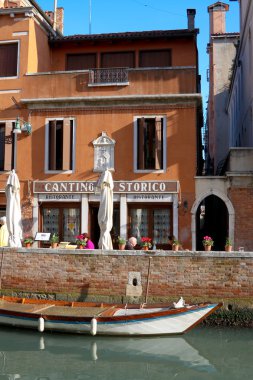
x: 128, y: 322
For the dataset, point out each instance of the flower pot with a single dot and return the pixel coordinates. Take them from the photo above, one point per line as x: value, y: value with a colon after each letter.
x: 175, y: 247
x: 145, y: 248
x: 80, y: 246
x: 208, y: 247
x: 122, y: 247
x: 27, y: 245
x: 54, y: 245
x: 228, y: 248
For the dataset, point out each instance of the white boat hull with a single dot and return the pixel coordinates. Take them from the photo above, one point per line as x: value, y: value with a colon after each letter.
x: 138, y: 325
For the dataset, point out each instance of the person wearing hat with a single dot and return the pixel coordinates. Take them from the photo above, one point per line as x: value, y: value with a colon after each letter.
x: 4, y: 234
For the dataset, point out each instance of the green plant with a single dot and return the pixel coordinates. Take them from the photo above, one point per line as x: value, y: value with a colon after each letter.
x: 80, y: 240
x: 176, y: 242
x: 146, y: 242
x: 28, y: 239
x: 228, y: 241
x: 54, y: 238
x: 121, y: 240
x: 207, y: 240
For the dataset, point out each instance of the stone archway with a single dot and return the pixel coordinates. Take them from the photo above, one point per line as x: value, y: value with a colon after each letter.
x: 213, y: 215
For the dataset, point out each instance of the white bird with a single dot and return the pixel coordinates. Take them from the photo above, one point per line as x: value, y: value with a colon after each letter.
x: 179, y: 303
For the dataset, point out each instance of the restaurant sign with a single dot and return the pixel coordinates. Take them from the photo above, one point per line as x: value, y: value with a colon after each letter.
x: 61, y: 187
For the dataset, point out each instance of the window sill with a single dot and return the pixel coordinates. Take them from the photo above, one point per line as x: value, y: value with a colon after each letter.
x: 150, y: 171
x: 59, y: 171
x: 108, y: 84
x: 4, y: 78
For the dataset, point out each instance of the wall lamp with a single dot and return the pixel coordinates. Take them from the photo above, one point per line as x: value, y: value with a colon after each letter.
x: 22, y: 126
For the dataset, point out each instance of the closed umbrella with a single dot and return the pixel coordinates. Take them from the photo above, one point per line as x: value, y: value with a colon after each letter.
x: 13, y: 211
x: 105, y: 212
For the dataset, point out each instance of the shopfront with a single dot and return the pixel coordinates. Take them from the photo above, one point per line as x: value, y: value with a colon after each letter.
x: 141, y: 208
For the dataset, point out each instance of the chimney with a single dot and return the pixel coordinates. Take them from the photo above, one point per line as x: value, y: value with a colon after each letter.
x: 217, y: 17
x: 191, y: 18
x: 59, y: 18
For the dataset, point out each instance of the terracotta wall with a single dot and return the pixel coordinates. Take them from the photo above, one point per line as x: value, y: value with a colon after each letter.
x: 183, y: 50
x: 200, y: 276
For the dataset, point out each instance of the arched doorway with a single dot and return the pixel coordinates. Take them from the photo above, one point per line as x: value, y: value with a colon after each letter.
x: 212, y: 219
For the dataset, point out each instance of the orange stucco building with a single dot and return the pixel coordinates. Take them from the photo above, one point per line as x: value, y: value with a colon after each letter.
x: 129, y: 102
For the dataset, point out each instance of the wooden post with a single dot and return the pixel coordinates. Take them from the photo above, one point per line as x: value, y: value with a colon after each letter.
x: 149, y: 264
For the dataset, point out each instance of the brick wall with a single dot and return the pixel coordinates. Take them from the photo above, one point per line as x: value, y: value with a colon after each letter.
x: 82, y: 276
x: 242, y: 199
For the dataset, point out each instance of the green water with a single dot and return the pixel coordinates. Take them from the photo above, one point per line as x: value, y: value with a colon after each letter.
x: 204, y: 353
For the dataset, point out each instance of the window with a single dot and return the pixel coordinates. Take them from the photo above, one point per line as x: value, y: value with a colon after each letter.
x: 151, y: 221
x: 63, y: 220
x: 8, y: 60
x: 7, y: 146
x: 117, y: 59
x: 80, y: 61
x: 155, y: 58
x: 149, y: 142
x: 60, y: 145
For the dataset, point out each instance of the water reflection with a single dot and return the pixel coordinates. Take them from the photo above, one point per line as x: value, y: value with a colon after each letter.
x: 201, y: 354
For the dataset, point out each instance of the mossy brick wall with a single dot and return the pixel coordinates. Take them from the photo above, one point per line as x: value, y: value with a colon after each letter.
x: 194, y: 275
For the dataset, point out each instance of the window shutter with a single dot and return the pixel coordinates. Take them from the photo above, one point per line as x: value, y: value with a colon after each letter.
x: 8, y: 146
x: 66, y: 149
x: 8, y: 60
x: 52, y: 145
x: 140, y: 143
x: 158, y: 144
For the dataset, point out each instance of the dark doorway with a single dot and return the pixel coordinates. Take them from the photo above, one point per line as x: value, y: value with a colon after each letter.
x: 94, y: 226
x: 212, y: 220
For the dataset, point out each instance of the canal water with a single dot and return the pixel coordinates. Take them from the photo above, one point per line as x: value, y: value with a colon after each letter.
x: 204, y: 353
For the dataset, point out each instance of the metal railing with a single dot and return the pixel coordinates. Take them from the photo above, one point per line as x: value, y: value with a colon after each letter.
x: 112, y: 75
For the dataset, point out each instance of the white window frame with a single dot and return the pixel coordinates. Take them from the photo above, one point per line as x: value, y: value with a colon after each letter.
x: 18, y: 58
x: 47, y: 171
x: 164, y: 118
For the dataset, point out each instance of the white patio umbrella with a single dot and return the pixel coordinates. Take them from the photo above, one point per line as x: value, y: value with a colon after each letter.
x: 13, y: 210
x: 105, y: 212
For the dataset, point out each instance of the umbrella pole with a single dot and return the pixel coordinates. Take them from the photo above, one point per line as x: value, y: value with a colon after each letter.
x: 149, y: 264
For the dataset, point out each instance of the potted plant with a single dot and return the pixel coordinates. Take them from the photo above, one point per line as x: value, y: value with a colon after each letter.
x: 54, y: 239
x: 207, y: 243
x: 146, y: 243
x: 121, y: 243
x: 228, y: 245
x: 80, y: 241
x: 175, y: 245
x: 28, y: 241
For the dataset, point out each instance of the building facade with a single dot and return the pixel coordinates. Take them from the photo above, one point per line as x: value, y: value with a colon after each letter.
x: 227, y: 196
x: 129, y: 102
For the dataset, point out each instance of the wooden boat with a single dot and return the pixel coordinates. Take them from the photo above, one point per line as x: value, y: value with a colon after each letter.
x: 102, y: 318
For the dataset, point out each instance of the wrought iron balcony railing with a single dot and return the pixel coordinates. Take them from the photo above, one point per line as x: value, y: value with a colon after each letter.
x: 118, y: 75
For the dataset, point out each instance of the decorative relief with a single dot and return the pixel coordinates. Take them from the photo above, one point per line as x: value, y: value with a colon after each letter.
x: 103, y: 153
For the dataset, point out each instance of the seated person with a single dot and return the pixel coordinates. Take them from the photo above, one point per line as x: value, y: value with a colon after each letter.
x: 4, y: 234
x: 171, y: 238
x: 131, y: 243
x: 89, y: 244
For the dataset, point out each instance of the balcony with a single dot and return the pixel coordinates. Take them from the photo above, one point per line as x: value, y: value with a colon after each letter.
x: 100, y: 86
x: 106, y: 77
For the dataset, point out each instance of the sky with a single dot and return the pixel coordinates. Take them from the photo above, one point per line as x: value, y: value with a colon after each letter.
x: 105, y: 16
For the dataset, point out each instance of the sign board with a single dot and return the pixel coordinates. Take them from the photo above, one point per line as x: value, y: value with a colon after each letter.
x: 42, y: 236
x: 120, y: 187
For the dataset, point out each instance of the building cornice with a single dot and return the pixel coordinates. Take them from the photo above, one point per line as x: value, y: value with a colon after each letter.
x: 111, y: 101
